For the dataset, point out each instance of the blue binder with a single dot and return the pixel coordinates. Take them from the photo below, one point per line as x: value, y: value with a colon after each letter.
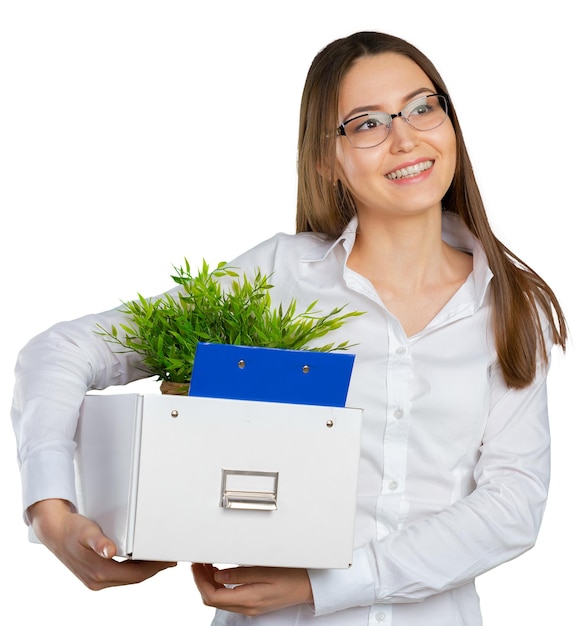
x: 271, y: 374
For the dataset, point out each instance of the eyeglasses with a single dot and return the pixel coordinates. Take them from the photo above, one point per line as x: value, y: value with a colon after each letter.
x: 368, y: 130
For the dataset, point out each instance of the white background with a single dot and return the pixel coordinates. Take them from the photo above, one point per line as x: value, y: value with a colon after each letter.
x: 134, y: 134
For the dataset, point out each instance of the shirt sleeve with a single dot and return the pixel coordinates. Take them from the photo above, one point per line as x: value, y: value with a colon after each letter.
x: 498, y: 521
x: 52, y: 375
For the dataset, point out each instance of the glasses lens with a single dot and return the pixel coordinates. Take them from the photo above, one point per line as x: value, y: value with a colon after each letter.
x: 426, y: 112
x: 367, y: 130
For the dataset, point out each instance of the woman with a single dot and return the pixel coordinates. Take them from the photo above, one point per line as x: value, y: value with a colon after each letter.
x: 451, y: 363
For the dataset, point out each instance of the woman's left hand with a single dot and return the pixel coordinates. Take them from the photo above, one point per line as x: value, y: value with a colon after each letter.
x: 257, y: 589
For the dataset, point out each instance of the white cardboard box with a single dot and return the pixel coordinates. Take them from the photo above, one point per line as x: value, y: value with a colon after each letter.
x: 211, y: 480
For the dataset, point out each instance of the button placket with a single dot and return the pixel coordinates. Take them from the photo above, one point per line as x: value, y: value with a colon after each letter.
x: 379, y: 615
x: 400, y: 390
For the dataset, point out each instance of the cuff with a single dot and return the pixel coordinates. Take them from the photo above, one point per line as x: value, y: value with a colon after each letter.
x: 48, y: 474
x: 338, y: 589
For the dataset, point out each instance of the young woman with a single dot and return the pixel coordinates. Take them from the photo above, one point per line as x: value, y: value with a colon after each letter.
x: 451, y: 364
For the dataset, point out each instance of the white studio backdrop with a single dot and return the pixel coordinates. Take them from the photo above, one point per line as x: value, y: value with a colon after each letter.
x: 136, y: 133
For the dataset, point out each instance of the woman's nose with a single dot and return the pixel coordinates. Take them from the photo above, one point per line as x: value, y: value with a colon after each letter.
x: 402, y: 137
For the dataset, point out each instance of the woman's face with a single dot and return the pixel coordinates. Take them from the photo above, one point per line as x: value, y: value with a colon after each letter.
x: 386, y: 83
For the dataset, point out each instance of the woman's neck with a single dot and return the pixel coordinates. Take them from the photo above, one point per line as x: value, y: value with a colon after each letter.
x: 405, y: 252
x: 412, y: 269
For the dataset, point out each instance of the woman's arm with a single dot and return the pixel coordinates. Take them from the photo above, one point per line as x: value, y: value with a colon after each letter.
x: 53, y: 373
x: 497, y: 522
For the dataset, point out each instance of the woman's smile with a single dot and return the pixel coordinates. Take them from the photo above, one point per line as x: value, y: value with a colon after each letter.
x: 408, y: 172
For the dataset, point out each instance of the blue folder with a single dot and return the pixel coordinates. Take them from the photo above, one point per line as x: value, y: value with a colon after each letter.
x: 271, y: 374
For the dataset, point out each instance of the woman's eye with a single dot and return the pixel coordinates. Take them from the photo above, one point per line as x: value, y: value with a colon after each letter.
x: 370, y: 123
x: 420, y: 109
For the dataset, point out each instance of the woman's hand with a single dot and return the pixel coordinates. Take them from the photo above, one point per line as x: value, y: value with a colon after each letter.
x: 84, y: 549
x: 258, y: 589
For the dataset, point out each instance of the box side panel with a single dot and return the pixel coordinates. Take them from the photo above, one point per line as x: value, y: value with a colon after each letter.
x: 187, y: 446
x: 105, y: 463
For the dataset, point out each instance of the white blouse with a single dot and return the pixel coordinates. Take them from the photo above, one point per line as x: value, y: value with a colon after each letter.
x: 454, y: 466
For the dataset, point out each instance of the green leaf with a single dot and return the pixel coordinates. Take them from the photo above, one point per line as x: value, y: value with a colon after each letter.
x: 165, y: 331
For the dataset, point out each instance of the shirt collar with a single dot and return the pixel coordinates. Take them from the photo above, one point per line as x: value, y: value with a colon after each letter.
x: 454, y: 232
x: 458, y: 235
x: 346, y: 240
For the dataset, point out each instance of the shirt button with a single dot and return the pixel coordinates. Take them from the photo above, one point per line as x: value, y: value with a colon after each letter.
x: 379, y: 617
x: 393, y: 484
x: 398, y: 413
x: 400, y: 350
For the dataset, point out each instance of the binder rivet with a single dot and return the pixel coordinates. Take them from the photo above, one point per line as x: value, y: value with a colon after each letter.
x: 174, y: 413
x: 305, y: 369
x: 242, y: 364
x: 330, y: 423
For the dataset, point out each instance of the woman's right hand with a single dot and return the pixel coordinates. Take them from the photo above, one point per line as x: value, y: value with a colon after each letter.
x: 80, y: 544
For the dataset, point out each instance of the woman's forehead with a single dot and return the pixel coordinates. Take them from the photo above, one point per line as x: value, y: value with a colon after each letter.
x: 386, y: 78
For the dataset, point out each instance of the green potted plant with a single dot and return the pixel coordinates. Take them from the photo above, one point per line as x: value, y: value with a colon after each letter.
x: 166, y: 331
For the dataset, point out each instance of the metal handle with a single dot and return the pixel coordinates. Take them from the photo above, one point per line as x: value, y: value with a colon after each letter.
x: 244, y: 489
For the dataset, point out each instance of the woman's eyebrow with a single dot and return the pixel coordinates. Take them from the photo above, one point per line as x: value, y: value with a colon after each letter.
x: 376, y: 107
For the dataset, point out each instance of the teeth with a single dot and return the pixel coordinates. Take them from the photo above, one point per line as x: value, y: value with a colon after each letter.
x: 412, y: 170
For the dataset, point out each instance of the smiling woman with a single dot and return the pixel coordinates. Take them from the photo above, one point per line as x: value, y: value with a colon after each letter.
x: 452, y: 359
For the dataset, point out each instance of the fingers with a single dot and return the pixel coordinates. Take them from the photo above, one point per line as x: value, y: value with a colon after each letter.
x: 96, y: 541
x: 204, y: 577
x: 252, y: 590
x: 214, y: 593
x: 126, y: 573
x: 91, y: 560
x: 80, y: 544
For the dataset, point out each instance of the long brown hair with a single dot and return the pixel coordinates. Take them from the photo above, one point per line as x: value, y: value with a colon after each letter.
x: 519, y: 295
